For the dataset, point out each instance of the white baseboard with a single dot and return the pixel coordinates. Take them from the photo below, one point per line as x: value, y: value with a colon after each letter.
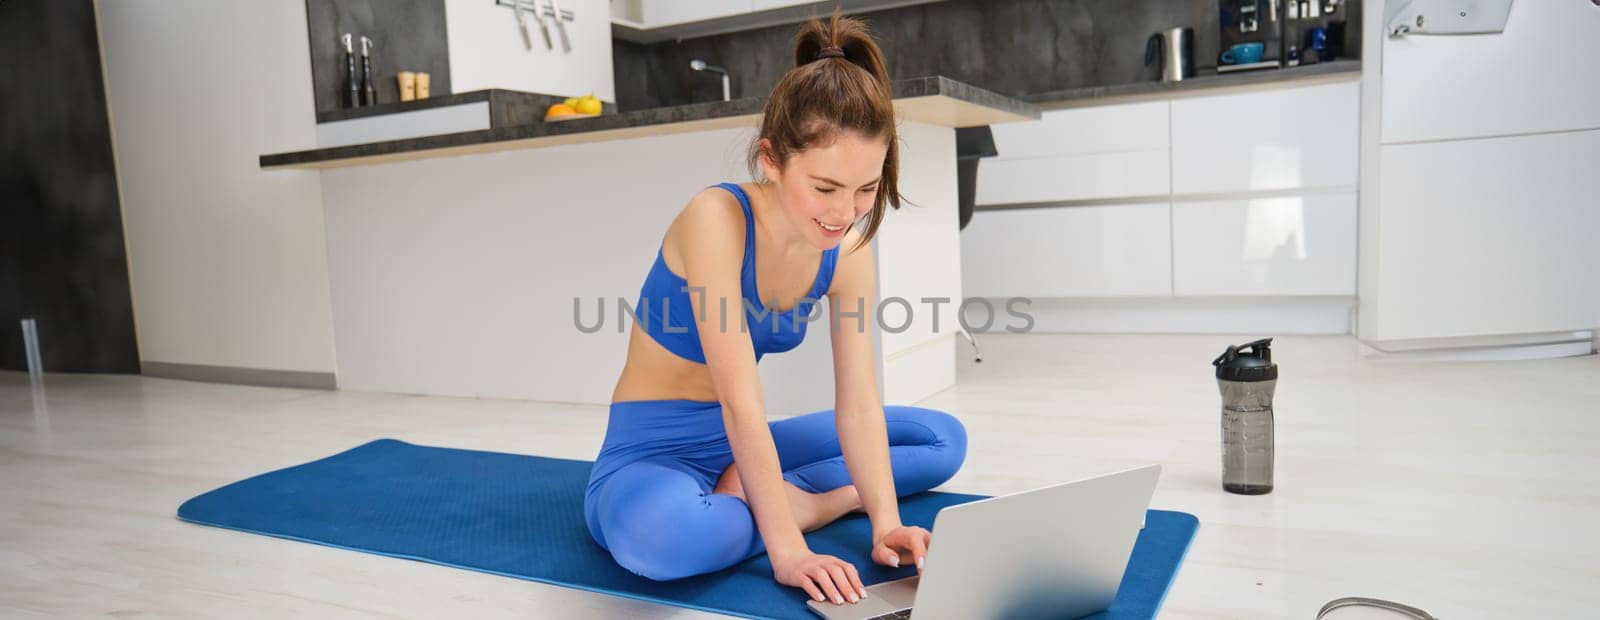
x: 1486, y: 348
x: 1178, y: 315
x: 240, y: 376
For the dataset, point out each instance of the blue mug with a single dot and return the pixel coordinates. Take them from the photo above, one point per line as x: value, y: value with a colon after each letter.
x: 1317, y: 38
x: 1244, y: 53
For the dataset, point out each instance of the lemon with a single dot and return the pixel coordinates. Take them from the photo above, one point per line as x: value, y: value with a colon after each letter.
x: 588, y: 106
x: 571, y: 102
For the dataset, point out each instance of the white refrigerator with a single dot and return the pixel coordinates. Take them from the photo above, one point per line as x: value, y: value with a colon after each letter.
x: 1480, y: 184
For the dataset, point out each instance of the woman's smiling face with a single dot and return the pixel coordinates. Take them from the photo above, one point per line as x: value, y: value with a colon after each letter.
x: 824, y: 189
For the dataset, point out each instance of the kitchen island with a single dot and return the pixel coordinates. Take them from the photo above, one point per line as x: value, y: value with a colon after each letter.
x: 493, y: 263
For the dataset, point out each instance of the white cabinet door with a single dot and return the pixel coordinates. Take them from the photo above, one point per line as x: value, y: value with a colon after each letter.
x: 1537, y: 76
x: 1272, y: 140
x: 1487, y: 237
x: 1285, y: 245
x: 1081, y: 131
x: 1072, y: 177
x: 1116, y: 151
x: 658, y: 13
x: 1103, y: 251
x: 762, y: 5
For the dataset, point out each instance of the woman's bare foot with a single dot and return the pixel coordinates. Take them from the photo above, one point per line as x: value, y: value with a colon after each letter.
x: 814, y: 510
x: 811, y: 510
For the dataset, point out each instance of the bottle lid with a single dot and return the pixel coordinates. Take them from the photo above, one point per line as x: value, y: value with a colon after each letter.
x: 1247, y: 362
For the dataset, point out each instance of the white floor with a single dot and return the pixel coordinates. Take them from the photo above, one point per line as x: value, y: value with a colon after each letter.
x: 1466, y: 489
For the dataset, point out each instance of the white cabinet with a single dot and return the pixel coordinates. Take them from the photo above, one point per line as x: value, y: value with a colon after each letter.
x: 762, y: 5
x: 1072, y: 177
x: 1244, y: 194
x: 1286, y: 139
x: 1282, y: 245
x: 1481, y: 237
x: 1103, y: 251
x: 653, y: 21
x: 657, y: 13
x: 1537, y: 76
x: 1083, y: 131
x: 485, y: 51
x: 1269, y: 140
x: 1079, y: 154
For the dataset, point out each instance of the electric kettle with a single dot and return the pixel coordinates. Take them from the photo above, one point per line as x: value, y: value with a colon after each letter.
x: 1176, y: 48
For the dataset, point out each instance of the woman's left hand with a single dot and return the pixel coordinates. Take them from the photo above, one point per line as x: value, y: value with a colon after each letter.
x: 903, y: 545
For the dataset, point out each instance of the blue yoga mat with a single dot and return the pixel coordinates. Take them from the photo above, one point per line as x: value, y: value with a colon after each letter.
x: 522, y: 516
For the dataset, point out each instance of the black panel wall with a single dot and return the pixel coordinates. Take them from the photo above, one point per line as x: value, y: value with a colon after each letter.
x: 409, y: 35
x: 62, y: 258
x: 1013, y: 47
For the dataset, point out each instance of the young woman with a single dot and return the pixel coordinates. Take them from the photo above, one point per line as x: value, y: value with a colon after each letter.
x: 691, y: 477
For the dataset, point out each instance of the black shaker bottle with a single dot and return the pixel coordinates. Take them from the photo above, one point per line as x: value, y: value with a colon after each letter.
x: 1246, y: 376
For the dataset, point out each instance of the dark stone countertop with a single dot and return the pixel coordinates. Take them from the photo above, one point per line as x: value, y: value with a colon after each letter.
x: 344, y: 114
x: 1207, y: 80
x: 1025, y: 106
x: 534, y: 103
x: 460, y: 142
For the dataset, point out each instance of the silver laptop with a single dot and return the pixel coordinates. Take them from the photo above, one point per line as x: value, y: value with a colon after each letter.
x: 1055, y: 552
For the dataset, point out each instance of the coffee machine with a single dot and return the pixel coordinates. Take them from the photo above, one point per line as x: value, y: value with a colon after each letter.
x: 1286, y: 29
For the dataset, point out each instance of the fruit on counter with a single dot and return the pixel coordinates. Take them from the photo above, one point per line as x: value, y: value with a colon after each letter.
x: 587, y: 105
x: 560, y: 109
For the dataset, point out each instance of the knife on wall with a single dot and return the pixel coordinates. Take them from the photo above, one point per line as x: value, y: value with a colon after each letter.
x: 566, y: 44
x: 538, y: 13
x: 522, y: 24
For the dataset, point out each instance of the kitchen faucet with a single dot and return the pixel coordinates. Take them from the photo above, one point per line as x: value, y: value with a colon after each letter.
x: 700, y: 65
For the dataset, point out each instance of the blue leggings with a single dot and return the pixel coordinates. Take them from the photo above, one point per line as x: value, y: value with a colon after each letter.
x: 661, y: 459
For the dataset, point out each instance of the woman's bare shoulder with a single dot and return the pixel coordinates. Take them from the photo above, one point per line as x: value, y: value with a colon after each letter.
x: 712, y: 216
x: 713, y: 206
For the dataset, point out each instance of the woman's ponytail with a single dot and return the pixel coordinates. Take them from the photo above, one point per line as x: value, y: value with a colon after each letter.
x: 840, y: 82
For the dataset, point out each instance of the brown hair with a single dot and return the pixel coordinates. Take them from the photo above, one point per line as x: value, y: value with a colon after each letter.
x: 839, y: 83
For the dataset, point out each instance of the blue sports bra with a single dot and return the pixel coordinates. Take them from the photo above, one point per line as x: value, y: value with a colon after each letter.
x: 668, y: 315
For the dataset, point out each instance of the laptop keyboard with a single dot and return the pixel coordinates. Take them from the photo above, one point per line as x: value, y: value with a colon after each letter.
x: 904, y: 614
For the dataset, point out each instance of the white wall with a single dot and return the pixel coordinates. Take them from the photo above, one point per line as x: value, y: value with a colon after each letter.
x: 456, y: 276
x: 486, y: 50
x: 228, y: 263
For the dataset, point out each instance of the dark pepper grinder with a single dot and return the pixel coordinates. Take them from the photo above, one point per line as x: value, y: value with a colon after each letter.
x: 352, y: 92
x: 1247, y: 377
x: 369, y: 93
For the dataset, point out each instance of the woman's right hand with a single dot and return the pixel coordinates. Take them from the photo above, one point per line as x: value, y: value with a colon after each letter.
x: 823, y: 577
